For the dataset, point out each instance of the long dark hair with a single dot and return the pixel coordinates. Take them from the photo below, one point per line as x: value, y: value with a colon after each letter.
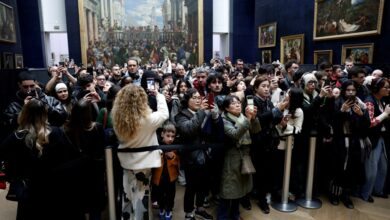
x: 81, y: 120
x: 296, y: 100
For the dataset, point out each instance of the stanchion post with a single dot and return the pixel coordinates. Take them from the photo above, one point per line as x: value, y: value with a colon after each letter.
x: 284, y: 205
x: 309, y: 202
x: 110, y: 183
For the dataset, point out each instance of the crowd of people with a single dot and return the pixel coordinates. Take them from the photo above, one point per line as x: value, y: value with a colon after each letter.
x: 219, y: 116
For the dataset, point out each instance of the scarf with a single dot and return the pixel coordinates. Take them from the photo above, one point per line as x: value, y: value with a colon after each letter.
x: 246, y: 138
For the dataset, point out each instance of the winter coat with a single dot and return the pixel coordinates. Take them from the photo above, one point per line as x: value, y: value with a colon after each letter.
x: 235, y: 185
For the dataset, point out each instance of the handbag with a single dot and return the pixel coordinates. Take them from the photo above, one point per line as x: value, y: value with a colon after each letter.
x: 247, y: 165
x: 17, y: 190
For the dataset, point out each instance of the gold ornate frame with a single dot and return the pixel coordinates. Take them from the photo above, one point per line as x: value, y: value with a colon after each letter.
x: 9, y: 17
x: 320, y: 53
x: 348, y: 49
x: 262, y: 39
x: 334, y: 26
x: 200, y: 31
x: 291, y: 39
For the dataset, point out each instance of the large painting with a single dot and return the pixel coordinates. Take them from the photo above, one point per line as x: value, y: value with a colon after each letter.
x: 291, y: 48
x: 359, y: 53
x: 347, y: 18
x: 150, y: 31
x: 267, y: 35
x: 7, y: 24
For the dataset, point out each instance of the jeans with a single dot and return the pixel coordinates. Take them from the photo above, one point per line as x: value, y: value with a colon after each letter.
x: 376, y: 171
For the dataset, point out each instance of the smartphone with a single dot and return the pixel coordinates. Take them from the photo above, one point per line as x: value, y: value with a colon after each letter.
x: 125, y: 65
x: 32, y: 93
x: 150, y: 83
x: 249, y: 101
x: 282, y: 95
x: 352, y: 99
x: 326, y: 82
x: 210, y: 99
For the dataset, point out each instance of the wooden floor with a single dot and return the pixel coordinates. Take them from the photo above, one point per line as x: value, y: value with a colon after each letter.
x: 379, y: 210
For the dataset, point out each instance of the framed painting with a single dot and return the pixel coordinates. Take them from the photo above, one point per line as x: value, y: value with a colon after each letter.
x: 19, y: 61
x: 266, y: 56
x: 359, y: 53
x: 7, y: 24
x: 8, y: 60
x: 149, y: 31
x: 267, y: 35
x: 292, y: 47
x: 323, y: 55
x: 347, y: 18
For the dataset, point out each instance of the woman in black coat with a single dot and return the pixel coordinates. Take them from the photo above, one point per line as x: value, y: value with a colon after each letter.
x: 37, y: 154
x: 189, y: 125
x: 351, y: 121
x: 88, y: 137
x: 264, y: 156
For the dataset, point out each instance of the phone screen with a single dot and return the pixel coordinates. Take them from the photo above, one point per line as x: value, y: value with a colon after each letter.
x: 150, y: 83
x: 210, y: 99
x: 249, y: 101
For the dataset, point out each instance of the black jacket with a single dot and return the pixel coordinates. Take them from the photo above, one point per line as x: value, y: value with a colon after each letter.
x: 57, y: 114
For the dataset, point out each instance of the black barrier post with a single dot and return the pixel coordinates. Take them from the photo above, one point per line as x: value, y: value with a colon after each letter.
x: 284, y: 205
x: 309, y: 202
x: 110, y: 183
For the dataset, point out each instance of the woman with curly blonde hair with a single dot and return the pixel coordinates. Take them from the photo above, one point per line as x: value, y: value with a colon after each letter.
x: 135, y: 126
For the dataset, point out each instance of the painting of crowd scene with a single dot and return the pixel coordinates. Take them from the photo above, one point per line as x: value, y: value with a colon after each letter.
x: 359, y: 53
x: 150, y: 31
x: 347, y: 18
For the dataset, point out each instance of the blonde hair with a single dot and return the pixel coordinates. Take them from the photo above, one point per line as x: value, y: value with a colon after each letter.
x: 130, y: 107
x: 33, y: 125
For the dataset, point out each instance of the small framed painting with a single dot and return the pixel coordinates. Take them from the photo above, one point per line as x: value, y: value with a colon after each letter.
x: 359, y: 53
x: 267, y: 35
x: 323, y: 55
x: 266, y: 56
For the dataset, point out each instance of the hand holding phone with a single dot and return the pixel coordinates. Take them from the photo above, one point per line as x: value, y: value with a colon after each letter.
x: 249, y: 101
x: 150, y: 84
x: 210, y: 100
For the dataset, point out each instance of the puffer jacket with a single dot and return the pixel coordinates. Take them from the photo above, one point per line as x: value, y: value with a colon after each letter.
x: 190, y: 131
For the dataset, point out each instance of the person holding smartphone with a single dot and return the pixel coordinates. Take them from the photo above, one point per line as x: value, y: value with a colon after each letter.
x: 351, y: 121
x: 264, y: 154
x: 238, y: 128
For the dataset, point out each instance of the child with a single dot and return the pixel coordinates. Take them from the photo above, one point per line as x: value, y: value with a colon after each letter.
x: 164, y: 178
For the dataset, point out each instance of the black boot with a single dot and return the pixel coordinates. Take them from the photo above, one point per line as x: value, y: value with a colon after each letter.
x: 264, y: 206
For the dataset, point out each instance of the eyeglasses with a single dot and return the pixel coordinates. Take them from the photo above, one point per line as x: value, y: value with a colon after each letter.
x: 101, y: 79
x: 312, y: 82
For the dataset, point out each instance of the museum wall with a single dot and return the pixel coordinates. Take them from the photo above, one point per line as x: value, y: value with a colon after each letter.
x: 31, y: 33
x: 297, y: 17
